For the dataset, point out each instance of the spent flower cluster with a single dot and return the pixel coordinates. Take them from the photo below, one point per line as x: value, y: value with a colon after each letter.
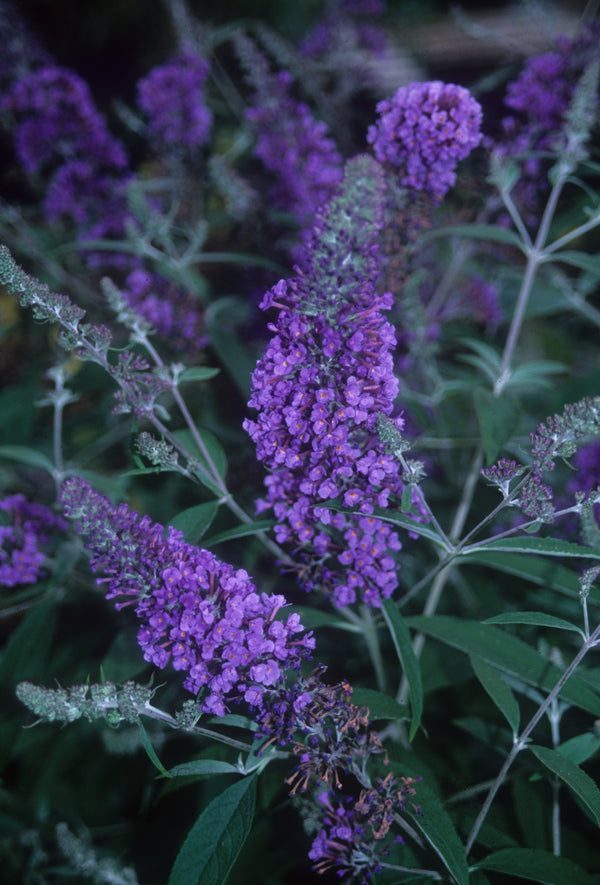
x: 560, y: 436
x: 352, y: 840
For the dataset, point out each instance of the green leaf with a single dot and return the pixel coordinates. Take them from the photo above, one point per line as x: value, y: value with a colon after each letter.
x: 202, y: 767
x: 531, y: 374
x: 144, y: 471
x: 406, y: 502
x: 410, y: 665
x: 498, y: 417
x: 198, y: 373
x: 234, y: 357
x: 25, y: 455
x: 241, y: 531
x: 195, y: 521
x: 381, y: 706
x: 580, y: 748
x: 537, y: 866
x: 151, y: 752
x: 214, y: 842
x: 573, y: 776
x: 536, y: 619
x: 476, y: 232
x: 235, y: 720
x: 539, y: 571
x: 581, y: 260
x: 438, y: 829
x: 395, y: 518
x: 508, y: 653
x: 213, y: 450
x: 498, y: 689
x: 530, y: 806
x: 542, y: 546
x: 313, y: 618
x: 25, y: 653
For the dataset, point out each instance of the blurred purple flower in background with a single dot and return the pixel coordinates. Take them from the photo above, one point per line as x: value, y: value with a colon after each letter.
x: 173, y: 313
x: 172, y: 97
x: 538, y: 99
x: 23, y: 539
x: 296, y: 148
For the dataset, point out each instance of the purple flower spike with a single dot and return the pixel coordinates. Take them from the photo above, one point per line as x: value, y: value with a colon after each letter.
x: 424, y: 130
x: 326, y: 375
x: 200, y: 613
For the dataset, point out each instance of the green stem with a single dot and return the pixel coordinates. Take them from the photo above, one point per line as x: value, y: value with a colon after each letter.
x: 439, y: 583
x: 535, y: 256
x: 521, y: 742
x: 573, y: 235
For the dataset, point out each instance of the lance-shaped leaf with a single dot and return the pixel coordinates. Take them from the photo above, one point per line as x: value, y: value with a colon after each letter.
x: 498, y: 689
x: 410, y: 664
x: 573, y: 776
x: 214, y: 842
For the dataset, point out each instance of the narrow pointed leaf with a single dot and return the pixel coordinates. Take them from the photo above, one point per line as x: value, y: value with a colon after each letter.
x: 541, y: 546
x: 509, y: 654
x: 400, y: 519
x: 381, y: 706
x: 195, y: 521
x: 201, y: 767
x: 198, y: 373
x: 581, y: 260
x: 241, y: 531
x: 214, y: 842
x: 498, y: 689
x: 437, y: 827
x: 410, y: 665
x: 573, y: 776
x: 150, y: 751
x: 540, y: 571
x: 498, y: 417
x: 25, y: 455
x: 536, y: 619
x: 477, y: 232
x: 580, y: 748
x: 537, y: 866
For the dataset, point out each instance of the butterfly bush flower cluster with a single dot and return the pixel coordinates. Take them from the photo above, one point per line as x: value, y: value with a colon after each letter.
x: 23, y: 539
x: 201, y: 614
x: 325, y: 376
x: 290, y: 142
x: 423, y: 131
x: 172, y: 97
